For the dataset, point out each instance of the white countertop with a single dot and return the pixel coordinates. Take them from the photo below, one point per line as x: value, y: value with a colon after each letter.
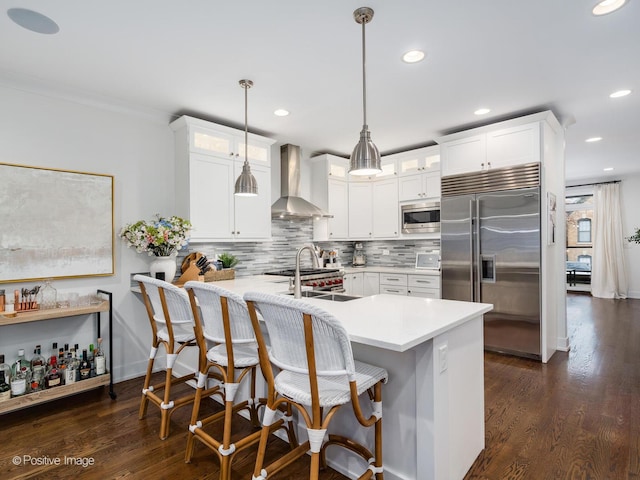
x: 392, y: 322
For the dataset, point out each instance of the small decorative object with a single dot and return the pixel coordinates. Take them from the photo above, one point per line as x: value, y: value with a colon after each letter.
x: 162, y: 238
x: 48, y: 296
x: 635, y: 237
x: 228, y: 260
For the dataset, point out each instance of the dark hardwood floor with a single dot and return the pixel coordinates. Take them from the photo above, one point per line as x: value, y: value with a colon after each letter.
x: 577, y: 417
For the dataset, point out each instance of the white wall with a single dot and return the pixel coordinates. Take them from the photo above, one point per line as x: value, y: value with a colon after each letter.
x: 630, y: 199
x: 137, y: 149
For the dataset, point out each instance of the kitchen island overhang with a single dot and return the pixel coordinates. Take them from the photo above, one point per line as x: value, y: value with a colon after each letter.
x: 433, y: 404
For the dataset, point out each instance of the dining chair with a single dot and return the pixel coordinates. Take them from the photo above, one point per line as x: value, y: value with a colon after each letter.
x: 171, y: 319
x: 317, y: 375
x: 227, y: 345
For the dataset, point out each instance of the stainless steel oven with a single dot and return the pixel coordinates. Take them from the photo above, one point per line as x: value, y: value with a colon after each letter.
x: 420, y: 217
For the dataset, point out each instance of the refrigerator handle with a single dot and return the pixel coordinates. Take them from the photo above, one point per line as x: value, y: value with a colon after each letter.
x: 478, y: 258
x: 471, y: 253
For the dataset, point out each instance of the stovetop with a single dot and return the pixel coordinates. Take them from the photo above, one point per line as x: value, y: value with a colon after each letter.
x: 290, y: 272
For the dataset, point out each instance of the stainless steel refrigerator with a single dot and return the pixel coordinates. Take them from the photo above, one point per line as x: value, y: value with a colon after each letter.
x: 490, y: 247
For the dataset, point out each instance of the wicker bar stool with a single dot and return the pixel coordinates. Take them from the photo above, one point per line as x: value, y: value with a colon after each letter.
x: 171, y: 321
x: 227, y: 345
x: 317, y: 376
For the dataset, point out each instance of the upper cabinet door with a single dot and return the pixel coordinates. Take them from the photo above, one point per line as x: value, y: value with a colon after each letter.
x: 360, y: 210
x: 464, y: 155
x: 211, y: 193
x: 253, y: 214
x: 419, y: 161
x: 513, y: 146
x: 338, y: 206
x: 211, y: 142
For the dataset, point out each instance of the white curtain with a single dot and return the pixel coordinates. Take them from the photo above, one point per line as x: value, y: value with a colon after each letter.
x: 609, y: 273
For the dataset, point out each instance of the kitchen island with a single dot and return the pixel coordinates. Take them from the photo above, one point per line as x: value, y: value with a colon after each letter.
x: 433, y: 404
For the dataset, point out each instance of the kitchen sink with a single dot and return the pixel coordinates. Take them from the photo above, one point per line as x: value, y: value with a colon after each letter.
x: 334, y: 297
x: 337, y: 297
x: 308, y: 293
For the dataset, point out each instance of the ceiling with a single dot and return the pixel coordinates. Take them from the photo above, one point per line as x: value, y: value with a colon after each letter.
x: 514, y: 57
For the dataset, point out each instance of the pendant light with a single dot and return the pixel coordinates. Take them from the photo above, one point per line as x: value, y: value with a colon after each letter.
x: 246, y: 185
x: 365, y: 159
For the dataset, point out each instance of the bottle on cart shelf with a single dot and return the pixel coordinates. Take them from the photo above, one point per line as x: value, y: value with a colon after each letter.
x: 5, y: 388
x: 54, y: 352
x: 20, y: 381
x: 85, y: 366
x: 99, y: 359
x: 53, y: 378
x: 20, y: 362
x: 5, y: 380
x: 6, y: 368
x: 38, y: 370
x: 71, y: 368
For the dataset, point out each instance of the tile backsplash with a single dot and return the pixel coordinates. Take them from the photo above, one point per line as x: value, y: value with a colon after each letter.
x: 289, y: 235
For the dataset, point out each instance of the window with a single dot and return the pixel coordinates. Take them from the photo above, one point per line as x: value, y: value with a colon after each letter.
x: 579, y: 208
x: 584, y: 230
x: 585, y: 259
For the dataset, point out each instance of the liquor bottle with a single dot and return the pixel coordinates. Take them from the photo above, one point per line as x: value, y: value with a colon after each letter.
x: 85, y: 366
x: 53, y: 379
x: 38, y: 370
x: 21, y: 362
x: 71, y: 368
x: 54, y: 351
x: 5, y: 368
x: 5, y: 380
x: 99, y: 359
x: 5, y: 388
x: 20, y: 381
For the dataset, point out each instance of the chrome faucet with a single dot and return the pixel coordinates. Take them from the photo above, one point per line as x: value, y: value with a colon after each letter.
x: 297, y: 287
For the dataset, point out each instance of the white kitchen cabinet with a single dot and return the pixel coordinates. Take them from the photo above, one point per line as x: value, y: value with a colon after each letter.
x: 373, y: 209
x: 394, y: 284
x: 418, y: 161
x: 209, y: 158
x: 353, y: 283
x: 501, y: 145
x: 330, y: 191
x: 386, y: 212
x: 464, y: 155
x: 360, y: 210
x: 252, y: 215
x: 389, y: 167
x: 427, y: 286
x: 371, y: 283
x: 513, y: 146
x: 419, y: 186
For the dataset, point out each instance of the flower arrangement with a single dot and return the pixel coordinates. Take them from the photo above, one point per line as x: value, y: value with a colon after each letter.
x: 635, y: 237
x: 160, y: 237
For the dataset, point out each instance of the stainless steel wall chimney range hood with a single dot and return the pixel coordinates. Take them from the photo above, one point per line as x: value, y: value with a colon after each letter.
x: 290, y: 204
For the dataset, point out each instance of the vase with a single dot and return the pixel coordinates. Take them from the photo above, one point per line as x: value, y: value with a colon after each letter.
x: 164, y: 268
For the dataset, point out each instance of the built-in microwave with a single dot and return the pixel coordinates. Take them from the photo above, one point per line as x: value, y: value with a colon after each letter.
x: 420, y: 217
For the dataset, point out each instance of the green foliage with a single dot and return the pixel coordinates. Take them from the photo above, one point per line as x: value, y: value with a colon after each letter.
x: 635, y: 237
x: 228, y: 260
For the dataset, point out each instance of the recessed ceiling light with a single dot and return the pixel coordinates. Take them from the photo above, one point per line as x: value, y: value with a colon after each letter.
x: 620, y: 93
x: 34, y: 21
x: 593, y: 139
x: 413, y: 56
x: 281, y: 112
x: 607, y: 6
x: 482, y: 111
x: 608, y: 169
